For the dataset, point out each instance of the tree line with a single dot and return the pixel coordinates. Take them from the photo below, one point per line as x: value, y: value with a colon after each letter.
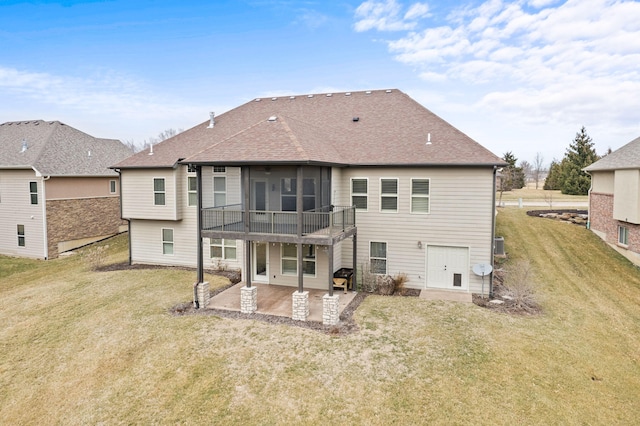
x: 565, y: 175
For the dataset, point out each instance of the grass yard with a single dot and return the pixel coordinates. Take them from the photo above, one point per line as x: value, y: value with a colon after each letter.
x: 82, y: 347
x: 530, y: 193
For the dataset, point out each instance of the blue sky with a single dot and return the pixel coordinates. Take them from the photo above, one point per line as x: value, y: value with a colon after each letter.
x: 520, y: 76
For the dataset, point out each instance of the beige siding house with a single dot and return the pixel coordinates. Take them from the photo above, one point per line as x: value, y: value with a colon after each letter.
x: 614, y: 199
x: 56, y: 190
x: 294, y: 190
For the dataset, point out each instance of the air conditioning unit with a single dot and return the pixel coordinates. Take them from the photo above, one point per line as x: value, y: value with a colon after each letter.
x: 498, y: 246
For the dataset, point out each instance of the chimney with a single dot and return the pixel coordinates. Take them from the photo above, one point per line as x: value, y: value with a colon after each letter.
x: 212, y: 121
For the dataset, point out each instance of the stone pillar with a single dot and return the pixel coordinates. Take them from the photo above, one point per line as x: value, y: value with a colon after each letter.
x: 300, y: 307
x: 248, y: 300
x: 203, y: 294
x: 330, y: 309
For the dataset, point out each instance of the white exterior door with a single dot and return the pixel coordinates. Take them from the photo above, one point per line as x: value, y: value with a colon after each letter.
x: 448, y: 267
x: 260, y: 262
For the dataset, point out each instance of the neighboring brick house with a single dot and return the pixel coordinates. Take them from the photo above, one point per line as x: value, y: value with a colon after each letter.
x: 614, y: 199
x: 294, y: 189
x: 56, y: 189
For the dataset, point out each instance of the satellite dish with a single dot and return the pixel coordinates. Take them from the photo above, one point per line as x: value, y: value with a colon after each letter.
x: 482, y: 269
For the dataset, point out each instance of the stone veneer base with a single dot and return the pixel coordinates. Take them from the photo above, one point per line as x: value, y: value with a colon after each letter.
x: 300, y: 305
x: 248, y: 300
x: 330, y: 309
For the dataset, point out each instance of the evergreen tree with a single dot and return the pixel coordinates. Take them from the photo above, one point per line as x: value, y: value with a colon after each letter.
x: 512, y: 176
x: 579, y: 155
x: 554, y: 177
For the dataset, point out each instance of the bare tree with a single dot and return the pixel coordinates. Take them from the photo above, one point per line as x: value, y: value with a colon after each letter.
x: 162, y: 136
x: 538, y: 168
x: 527, y: 169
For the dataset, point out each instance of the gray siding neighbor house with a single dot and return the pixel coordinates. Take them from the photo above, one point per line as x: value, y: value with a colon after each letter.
x: 296, y: 189
x: 56, y: 189
x: 614, y: 199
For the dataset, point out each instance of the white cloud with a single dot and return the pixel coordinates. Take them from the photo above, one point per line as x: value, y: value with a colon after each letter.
x: 101, y: 99
x: 387, y: 16
x: 536, y: 61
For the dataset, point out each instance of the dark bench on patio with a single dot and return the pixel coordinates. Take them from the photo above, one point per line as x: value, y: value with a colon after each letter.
x: 343, y: 278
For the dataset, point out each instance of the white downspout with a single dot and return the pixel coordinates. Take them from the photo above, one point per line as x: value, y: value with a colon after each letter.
x: 44, y: 217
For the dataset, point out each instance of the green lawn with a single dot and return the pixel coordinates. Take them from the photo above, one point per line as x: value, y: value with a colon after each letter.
x: 82, y: 347
x: 531, y: 194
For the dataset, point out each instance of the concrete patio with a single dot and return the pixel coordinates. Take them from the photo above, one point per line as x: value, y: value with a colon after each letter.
x: 277, y: 300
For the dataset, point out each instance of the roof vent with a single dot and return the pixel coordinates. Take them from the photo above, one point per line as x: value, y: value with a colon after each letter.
x: 24, y: 146
x: 309, y: 96
x: 428, y: 138
x: 151, y: 149
x: 388, y: 90
x: 368, y: 92
x: 274, y: 99
x: 273, y: 118
x: 356, y: 119
x: 212, y: 120
x: 258, y: 99
x: 89, y: 154
x: 348, y: 94
x: 292, y: 97
x: 329, y: 95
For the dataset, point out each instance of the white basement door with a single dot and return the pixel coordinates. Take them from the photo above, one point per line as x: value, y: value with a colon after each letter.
x: 448, y: 267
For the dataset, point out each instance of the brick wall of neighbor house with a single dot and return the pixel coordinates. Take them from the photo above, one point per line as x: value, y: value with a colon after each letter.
x: 601, y: 217
x: 81, y: 218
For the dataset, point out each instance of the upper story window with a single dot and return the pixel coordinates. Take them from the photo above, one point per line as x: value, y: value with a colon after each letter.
x: 159, y: 194
x: 192, y: 190
x: 219, y: 191
x: 191, y: 168
x: 33, y: 191
x: 623, y: 235
x: 21, y: 237
x: 219, y: 169
x: 420, y: 198
x: 112, y: 187
x: 389, y: 195
x: 288, y: 193
x: 359, y: 193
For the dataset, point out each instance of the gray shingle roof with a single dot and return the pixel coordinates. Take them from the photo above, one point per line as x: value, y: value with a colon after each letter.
x: 383, y: 127
x: 55, y: 149
x: 626, y: 157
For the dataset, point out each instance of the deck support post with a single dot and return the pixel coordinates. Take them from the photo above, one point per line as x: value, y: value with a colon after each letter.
x: 330, y: 265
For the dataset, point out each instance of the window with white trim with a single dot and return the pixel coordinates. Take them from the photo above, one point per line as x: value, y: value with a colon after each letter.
x: 192, y: 190
x: 623, y: 235
x: 219, y: 191
x: 377, y: 257
x: 112, y: 187
x: 33, y: 192
x: 222, y: 249
x: 420, y: 198
x: 21, y: 237
x: 289, y: 255
x: 388, y: 195
x: 167, y: 241
x: 359, y: 193
x: 159, y: 194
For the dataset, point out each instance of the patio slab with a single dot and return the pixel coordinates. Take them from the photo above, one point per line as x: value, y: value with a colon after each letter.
x: 277, y: 300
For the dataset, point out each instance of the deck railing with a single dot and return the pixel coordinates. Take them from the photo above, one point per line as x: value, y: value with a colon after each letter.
x: 325, y: 220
